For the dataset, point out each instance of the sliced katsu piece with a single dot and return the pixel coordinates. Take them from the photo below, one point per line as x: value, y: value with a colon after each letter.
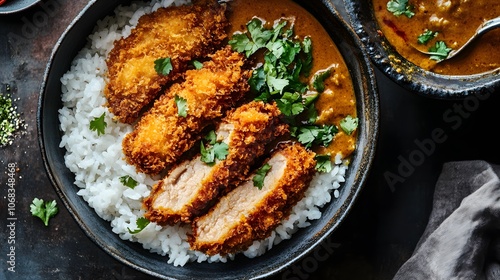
x: 180, y: 34
x: 248, y: 213
x: 176, y: 120
x: 193, y: 186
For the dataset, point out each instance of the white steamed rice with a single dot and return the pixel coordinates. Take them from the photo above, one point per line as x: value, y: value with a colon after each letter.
x: 98, y: 161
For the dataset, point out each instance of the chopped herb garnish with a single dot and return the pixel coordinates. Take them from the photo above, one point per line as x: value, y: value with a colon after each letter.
x: 163, y: 66
x: 315, y: 135
x: 439, y: 51
x: 181, y: 106
x: 141, y: 224
x: 290, y: 104
x: 323, y: 163
x: 128, y: 181
x: 426, y: 36
x: 98, y: 124
x: 214, y: 150
x: 260, y: 175
x: 319, y: 80
x: 44, y: 210
x: 349, y: 124
x: 400, y: 7
x: 198, y: 65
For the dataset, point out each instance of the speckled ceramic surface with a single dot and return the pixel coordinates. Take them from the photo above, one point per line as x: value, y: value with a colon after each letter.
x: 14, y: 6
x: 282, y: 255
x: 405, y: 73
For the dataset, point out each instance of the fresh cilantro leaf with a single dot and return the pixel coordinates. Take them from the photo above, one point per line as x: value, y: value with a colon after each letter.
x: 241, y: 43
x: 141, y: 224
x: 198, y: 65
x: 98, y: 124
x: 349, y: 124
x: 400, y: 7
x: 426, y: 36
x: 290, y: 104
x: 211, y: 137
x: 323, y: 163
x: 439, y: 51
x: 214, y: 150
x: 128, y: 181
x: 163, y: 66
x: 276, y: 83
x: 307, y: 49
x: 319, y: 80
x: 260, y: 175
x: 207, y: 155
x: 181, y: 106
x: 221, y: 150
x: 257, y: 80
x: 42, y: 210
x: 315, y: 135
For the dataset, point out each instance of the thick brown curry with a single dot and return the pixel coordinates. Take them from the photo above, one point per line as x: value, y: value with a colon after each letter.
x: 455, y: 22
x: 338, y: 100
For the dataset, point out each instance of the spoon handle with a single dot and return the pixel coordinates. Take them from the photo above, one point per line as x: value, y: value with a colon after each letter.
x: 483, y: 28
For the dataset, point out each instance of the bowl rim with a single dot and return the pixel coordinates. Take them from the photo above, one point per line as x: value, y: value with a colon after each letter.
x: 6, y: 9
x: 413, y: 78
x: 364, y: 158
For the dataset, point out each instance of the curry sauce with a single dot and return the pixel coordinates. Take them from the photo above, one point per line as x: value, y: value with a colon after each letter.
x: 454, y: 22
x: 338, y: 99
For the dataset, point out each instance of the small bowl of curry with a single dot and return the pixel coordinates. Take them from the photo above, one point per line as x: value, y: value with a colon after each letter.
x: 396, y: 32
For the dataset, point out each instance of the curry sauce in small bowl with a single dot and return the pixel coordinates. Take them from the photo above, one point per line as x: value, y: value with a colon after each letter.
x: 394, y: 31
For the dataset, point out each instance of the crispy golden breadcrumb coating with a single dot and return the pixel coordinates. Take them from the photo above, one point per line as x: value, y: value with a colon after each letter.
x: 162, y: 136
x: 193, y: 186
x: 179, y: 33
x: 248, y: 213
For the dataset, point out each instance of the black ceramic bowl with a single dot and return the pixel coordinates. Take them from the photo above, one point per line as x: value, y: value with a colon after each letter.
x: 407, y: 74
x: 133, y: 254
x: 14, y: 6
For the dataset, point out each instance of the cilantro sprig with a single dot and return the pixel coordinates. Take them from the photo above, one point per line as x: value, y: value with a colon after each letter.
x: 181, y: 104
x: 163, y: 66
x: 260, y: 175
x: 426, y: 36
x: 323, y: 163
x: 44, y: 210
x: 214, y: 150
x: 141, y: 224
x: 349, y: 124
x: 98, y: 124
x: 128, y: 181
x: 439, y: 51
x: 400, y: 7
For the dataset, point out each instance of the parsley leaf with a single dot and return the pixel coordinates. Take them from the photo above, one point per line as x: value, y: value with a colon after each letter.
x: 400, y: 7
x: 181, y: 106
x: 215, y: 150
x: 260, y: 174
x: 98, y: 124
x: 315, y: 135
x: 426, y: 36
x: 349, y: 124
x: 128, y: 181
x: 42, y: 210
x: 141, y: 224
x: 198, y: 65
x: 439, y: 51
x: 319, y: 80
x: 323, y: 163
x: 163, y: 66
x: 290, y: 104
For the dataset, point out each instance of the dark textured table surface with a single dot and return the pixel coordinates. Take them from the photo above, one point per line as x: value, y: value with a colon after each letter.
x: 378, y: 235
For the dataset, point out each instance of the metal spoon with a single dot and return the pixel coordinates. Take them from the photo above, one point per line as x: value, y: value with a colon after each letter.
x: 483, y: 28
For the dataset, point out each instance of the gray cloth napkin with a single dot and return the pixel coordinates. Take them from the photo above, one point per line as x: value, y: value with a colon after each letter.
x: 462, y: 237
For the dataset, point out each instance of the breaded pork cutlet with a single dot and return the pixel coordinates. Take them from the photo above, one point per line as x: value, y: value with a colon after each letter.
x: 162, y: 135
x: 248, y: 213
x: 180, y: 33
x: 193, y: 186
